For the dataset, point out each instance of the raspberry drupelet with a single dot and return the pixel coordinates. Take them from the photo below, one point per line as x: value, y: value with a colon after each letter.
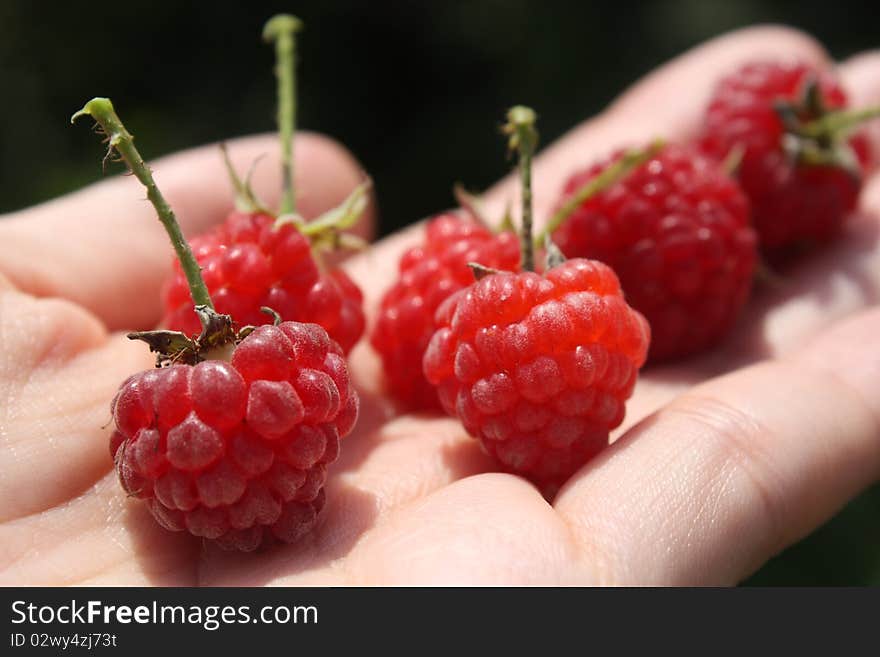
x: 537, y: 367
x: 676, y: 231
x: 800, y: 167
x: 257, y: 258
x: 237, y: 451
x: 428, y: 275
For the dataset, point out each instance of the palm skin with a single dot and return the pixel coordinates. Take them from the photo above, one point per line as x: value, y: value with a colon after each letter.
x: 723, y: 460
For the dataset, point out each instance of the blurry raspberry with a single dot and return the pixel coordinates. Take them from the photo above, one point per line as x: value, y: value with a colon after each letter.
x: 538, y: 367
x: 676, y: 232
x: 237, y: 451
x: 428, y: 275
x: 248, y: 263
x: 801, y: 187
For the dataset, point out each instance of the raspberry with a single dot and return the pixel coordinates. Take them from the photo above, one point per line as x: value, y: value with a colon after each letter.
x: 230, y: 436
x: 676, y: 231
x: 538, y: 367
x: 252, y: 260
x: 793, y: 201
x: 248, y: 263
x: 429, y: 274
x: 237, y: 451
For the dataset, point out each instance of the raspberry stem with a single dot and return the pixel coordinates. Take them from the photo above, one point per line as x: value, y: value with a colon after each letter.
x: 837, y: 123
x: 630, y: 160
x: 281, y: 29
x: 120, y: 140
x: 520, y: 127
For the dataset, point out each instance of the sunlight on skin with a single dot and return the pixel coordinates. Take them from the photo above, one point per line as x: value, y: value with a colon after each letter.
x: 722, y: 477
x: 701, y: 493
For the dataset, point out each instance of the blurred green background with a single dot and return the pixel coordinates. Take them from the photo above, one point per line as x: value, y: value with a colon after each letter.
x: 415, y: 89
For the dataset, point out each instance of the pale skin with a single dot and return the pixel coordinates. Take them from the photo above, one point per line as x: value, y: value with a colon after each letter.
x: 722, y: 461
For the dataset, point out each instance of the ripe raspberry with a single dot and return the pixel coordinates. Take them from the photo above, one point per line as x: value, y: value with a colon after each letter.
x: 237, y: 452
x: 247, y: 263
x: 429, y: 274
x: 676, y: 231
x: 793, y: 200
x: 538, y: 367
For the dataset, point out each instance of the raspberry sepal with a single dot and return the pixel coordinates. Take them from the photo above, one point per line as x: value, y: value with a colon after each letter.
x: 820, y: 139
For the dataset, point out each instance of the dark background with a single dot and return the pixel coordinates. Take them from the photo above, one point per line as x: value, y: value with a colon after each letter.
x: 415, y: 89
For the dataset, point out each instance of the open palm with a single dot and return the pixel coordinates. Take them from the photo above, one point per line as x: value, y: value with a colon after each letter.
x: 723, y: 460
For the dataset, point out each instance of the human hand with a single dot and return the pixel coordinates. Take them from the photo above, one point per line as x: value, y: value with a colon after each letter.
x: 703, y: 485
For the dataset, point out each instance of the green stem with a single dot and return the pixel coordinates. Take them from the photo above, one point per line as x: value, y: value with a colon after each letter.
x: 834, y: 123
x: 524, y: 139
x: 732, y: 161
x: 622, y: 167
x: 281, y: 30
x: 101, y: 110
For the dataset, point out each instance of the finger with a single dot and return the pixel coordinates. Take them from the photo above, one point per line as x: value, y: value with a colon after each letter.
x: 729, y: 474
x: 103, y: 248
x: 489, y: 530
x: 59, y: 370
x: 100, y: 538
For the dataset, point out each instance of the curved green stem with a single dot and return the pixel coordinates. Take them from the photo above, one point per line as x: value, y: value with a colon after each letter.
x: 281, y: 30
x: 101, y: 110
x: 630, y: 160
x: 837, y: 122
x: 520, y: 127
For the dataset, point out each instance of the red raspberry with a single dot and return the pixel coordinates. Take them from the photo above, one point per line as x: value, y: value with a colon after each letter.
x: 248, y: 263
x: 237, y: 452
x: 791, y: 201
x: 538, y: 367
x: 676, y: 231
x: 429, y: 274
